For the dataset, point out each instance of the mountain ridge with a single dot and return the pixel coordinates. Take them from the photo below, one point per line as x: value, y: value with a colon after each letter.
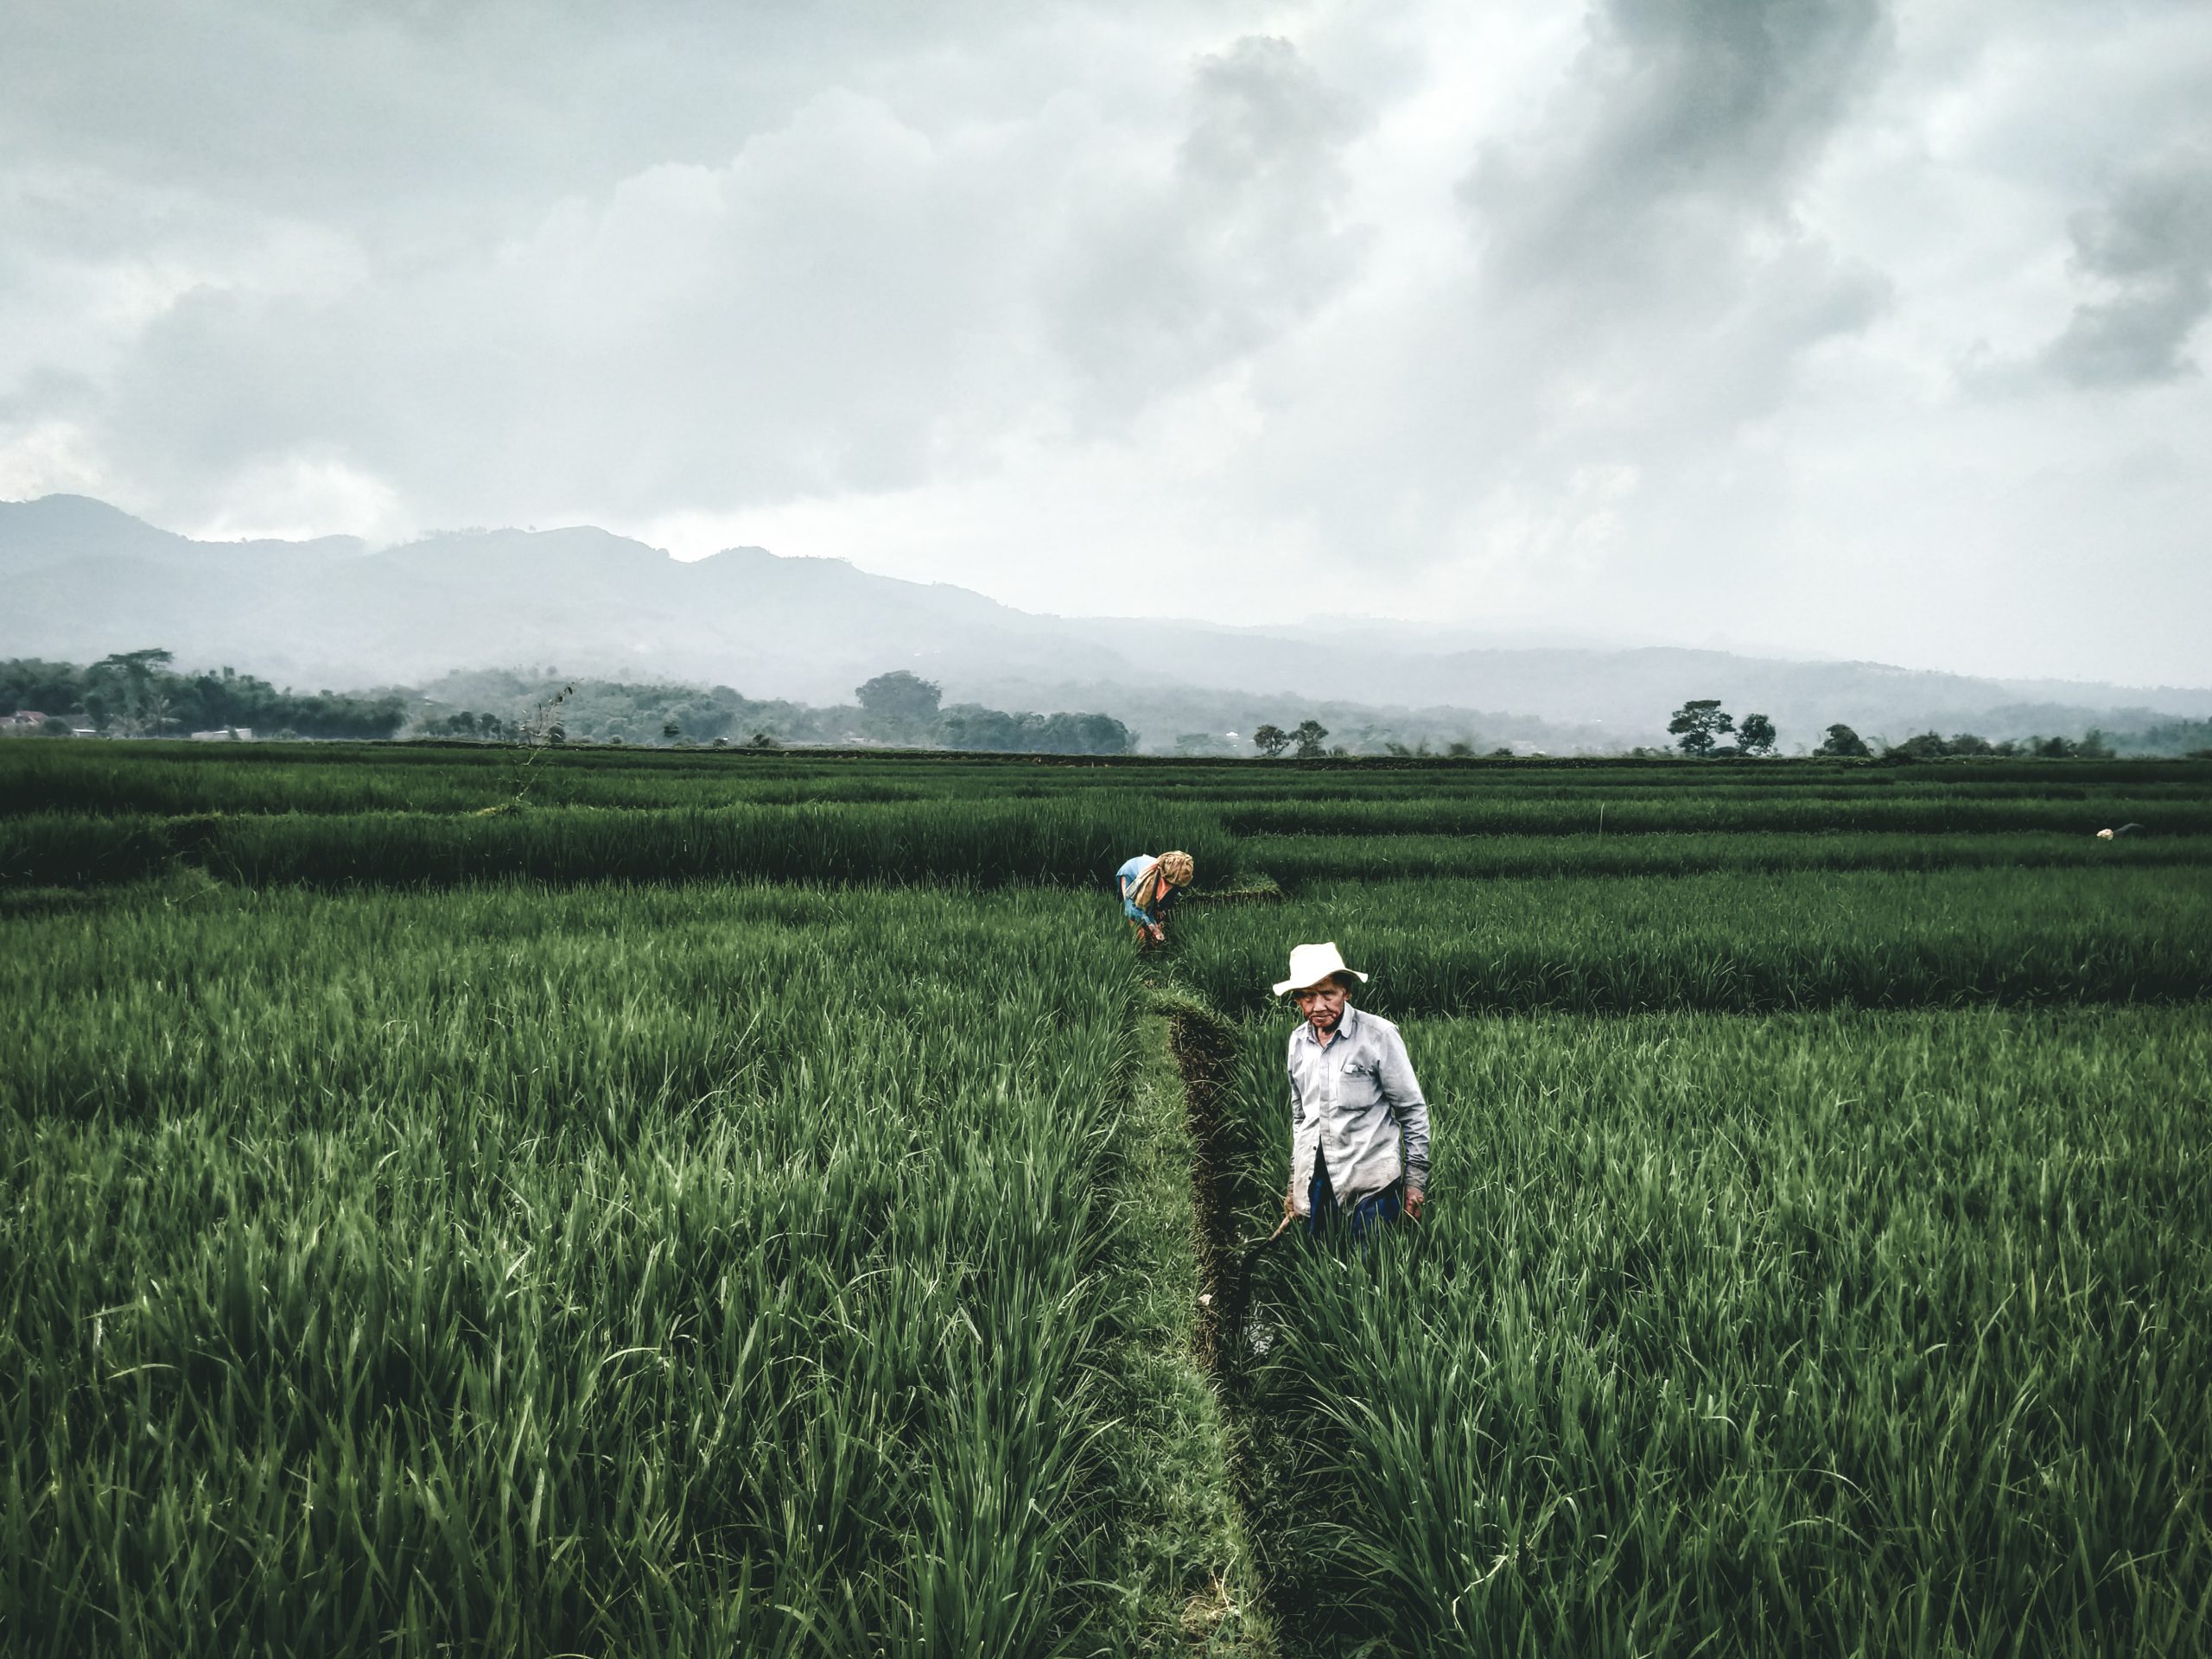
x: 84, y: 579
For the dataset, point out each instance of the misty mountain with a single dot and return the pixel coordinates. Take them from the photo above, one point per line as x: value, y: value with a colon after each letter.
x: 83, y: 579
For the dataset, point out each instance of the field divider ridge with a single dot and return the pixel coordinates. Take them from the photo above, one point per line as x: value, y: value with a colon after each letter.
x: 1205, y: 1046
x: 1184, y: 1565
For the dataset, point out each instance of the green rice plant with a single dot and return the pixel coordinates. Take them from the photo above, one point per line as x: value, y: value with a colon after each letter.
x: 1722, y: 810
x: 80, y: 849
x: 984, y: 843
x: 1305, y: 859
x: 1836, y: 1334
x: 686, y: 1270
x: 1258, y: 787
x: 441, y: 1222
x: 168, y: 778
x: 172, y: 779
x: 1741, y: 940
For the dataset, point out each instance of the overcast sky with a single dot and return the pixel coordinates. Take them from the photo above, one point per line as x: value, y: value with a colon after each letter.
x: 1832, y: 327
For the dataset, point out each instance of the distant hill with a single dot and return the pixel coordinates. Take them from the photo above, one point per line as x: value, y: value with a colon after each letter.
x: 82, y: 579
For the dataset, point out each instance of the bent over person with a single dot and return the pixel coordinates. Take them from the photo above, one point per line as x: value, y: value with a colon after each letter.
x: 1358, y: 1125
x: 1148, y: 885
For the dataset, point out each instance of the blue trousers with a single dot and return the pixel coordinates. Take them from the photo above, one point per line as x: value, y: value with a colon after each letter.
x: 1376, y: 1211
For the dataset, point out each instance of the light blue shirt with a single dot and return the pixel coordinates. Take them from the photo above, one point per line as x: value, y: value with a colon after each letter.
x: 1352, y: 1102
x: 1128, y: 875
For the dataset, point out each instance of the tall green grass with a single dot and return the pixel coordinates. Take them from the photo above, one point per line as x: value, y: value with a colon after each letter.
x: 1297, y: 861
x: 168, y: 780
x: 171, y: 779
x: 1725, y: 811
x: 989, y: 843
x: 1747, y: 941
x: 695, y: 1270
x: 1844, y: 1334
x: 545, y: 1229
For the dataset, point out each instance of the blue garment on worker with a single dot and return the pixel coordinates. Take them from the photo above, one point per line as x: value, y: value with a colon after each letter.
x: 1126, y: 878
x: 1374, y: 1212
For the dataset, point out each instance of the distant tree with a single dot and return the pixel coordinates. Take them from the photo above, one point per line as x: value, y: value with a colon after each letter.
x: 27, y: 682
x: 1107, y: 735
x: 1926, y: 746
x: 762, y: 740
x: 1756, y: 735
x: 1459, y: 748
x: 1501, y: 754
x: 2185, y: 737
x: 1699, y: 725
x: 970, y: 726
x: 2093, y: 746
x: 463, y: 723
x: 1310, y: 736
x: 2053, y: 748
x: 54, y: 725
x: 1843, y: 742
x: 670, y: 730
x: 125, y: 689
x: 900, y: 697
x: 1271, y: 741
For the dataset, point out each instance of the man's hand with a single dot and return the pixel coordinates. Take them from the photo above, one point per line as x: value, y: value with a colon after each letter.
x: 1412, y: 1205
x: 1158, y: 933
x: 1289, y: 1207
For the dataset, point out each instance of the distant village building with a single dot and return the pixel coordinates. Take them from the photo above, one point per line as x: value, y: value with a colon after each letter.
x: 226, y: 734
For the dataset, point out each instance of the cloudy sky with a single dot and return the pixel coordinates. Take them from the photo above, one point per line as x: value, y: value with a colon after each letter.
x: 1831, y: 326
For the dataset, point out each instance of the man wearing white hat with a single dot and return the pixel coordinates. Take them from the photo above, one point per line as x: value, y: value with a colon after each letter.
x: 1358, y: 1125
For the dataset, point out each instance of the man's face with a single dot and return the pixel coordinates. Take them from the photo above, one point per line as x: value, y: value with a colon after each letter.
x: 1323, y: 1005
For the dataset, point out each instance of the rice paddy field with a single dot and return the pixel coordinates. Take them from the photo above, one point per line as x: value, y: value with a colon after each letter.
x: 476, y: 1200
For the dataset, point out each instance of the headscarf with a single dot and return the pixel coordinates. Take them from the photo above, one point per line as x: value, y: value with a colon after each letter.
x: 1176, y: 869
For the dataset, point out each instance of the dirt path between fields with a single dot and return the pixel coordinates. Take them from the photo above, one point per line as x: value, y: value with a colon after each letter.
x: 1187, y: 1566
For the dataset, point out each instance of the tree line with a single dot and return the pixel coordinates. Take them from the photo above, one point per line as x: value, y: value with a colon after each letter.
x: 897, y: 709
x: 900, y: 706
x: 1309, y: 737
x: 1700, y: 724
x: 138, y: 694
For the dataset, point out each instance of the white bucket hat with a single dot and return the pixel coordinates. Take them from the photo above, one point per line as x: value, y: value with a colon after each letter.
x: 1311, y: 963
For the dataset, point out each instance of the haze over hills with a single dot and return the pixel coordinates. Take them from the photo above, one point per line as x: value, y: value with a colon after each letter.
x: 83, y: 579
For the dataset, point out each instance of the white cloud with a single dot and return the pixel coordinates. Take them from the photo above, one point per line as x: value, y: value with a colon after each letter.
x: 1647, y: 319
x: 294, y: 498
x: 2147, y: 249
x: 46, y: 457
